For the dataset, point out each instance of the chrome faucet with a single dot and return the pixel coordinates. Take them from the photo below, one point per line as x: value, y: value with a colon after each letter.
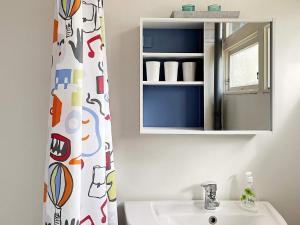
x: 210, y: 201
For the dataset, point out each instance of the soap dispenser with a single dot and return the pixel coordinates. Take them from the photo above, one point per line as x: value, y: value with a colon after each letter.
x: 248, y: 195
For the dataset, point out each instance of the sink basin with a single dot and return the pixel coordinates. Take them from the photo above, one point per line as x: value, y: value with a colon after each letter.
x: 193, y: 213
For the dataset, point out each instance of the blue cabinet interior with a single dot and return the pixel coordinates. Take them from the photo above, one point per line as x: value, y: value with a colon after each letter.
x: 173, y: 40
x: 173, y: 106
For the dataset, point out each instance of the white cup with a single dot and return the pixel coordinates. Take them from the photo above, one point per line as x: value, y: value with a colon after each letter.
x: 171, y: 71
x: 153, y: 69
x: 189, y: 71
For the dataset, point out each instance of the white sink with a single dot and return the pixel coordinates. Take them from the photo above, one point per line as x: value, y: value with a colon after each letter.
x: 192, y: 213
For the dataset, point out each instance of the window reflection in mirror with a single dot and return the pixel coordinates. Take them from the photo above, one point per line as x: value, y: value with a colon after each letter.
x: 243, y: 68
x: 242, y: 73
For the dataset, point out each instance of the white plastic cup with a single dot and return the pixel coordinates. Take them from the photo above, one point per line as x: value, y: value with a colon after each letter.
x: 171, y: 71
x: 153, y: 69
x: 189, y: 71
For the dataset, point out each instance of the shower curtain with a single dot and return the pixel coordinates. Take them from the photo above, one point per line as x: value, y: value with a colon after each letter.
x: 79, y: 186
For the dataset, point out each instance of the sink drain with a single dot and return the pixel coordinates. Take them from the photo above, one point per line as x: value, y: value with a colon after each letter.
x: 212, y: 220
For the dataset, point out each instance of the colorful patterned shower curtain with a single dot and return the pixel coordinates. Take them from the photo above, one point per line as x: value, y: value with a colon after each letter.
x: 79, y: 183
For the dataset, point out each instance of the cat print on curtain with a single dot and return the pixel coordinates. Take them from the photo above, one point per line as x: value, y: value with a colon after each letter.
x: 79, y: 186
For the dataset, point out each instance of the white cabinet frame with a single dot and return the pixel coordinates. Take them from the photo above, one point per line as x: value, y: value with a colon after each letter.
x: 194, y: 23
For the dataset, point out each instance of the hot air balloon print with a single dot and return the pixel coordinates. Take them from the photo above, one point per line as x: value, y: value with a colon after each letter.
x: 67, y: 8
x: 60, y: 185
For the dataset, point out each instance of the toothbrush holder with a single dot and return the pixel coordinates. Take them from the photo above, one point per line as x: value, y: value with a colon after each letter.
x: 189, y: 71
x: 171, y: 71
x: 153, y: 69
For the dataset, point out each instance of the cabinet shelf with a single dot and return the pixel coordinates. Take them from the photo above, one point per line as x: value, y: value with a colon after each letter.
x: 178, y: 83
x: 171, y: 130
x: 198, y: 130
x: 159, y: 55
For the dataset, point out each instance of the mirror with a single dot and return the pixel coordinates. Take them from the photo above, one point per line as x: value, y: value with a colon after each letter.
x: 238, y: 73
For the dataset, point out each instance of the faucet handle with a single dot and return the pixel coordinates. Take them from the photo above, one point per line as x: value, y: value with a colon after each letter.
x: 210, y: 186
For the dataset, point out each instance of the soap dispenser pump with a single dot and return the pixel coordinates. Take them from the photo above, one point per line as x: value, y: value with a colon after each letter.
x: 248, y: 196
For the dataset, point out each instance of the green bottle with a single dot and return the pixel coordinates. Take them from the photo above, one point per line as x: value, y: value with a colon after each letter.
x: 248, y: 196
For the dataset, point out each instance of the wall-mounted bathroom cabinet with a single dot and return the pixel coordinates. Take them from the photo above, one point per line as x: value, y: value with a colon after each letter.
x: 180, y: 107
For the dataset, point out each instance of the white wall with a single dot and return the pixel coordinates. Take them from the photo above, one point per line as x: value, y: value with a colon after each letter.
x: 149, y: 167
x: 25, y: 59
x: 172, y: 167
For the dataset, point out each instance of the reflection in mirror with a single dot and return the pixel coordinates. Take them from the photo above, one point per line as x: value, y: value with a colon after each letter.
x: 239, y: 73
